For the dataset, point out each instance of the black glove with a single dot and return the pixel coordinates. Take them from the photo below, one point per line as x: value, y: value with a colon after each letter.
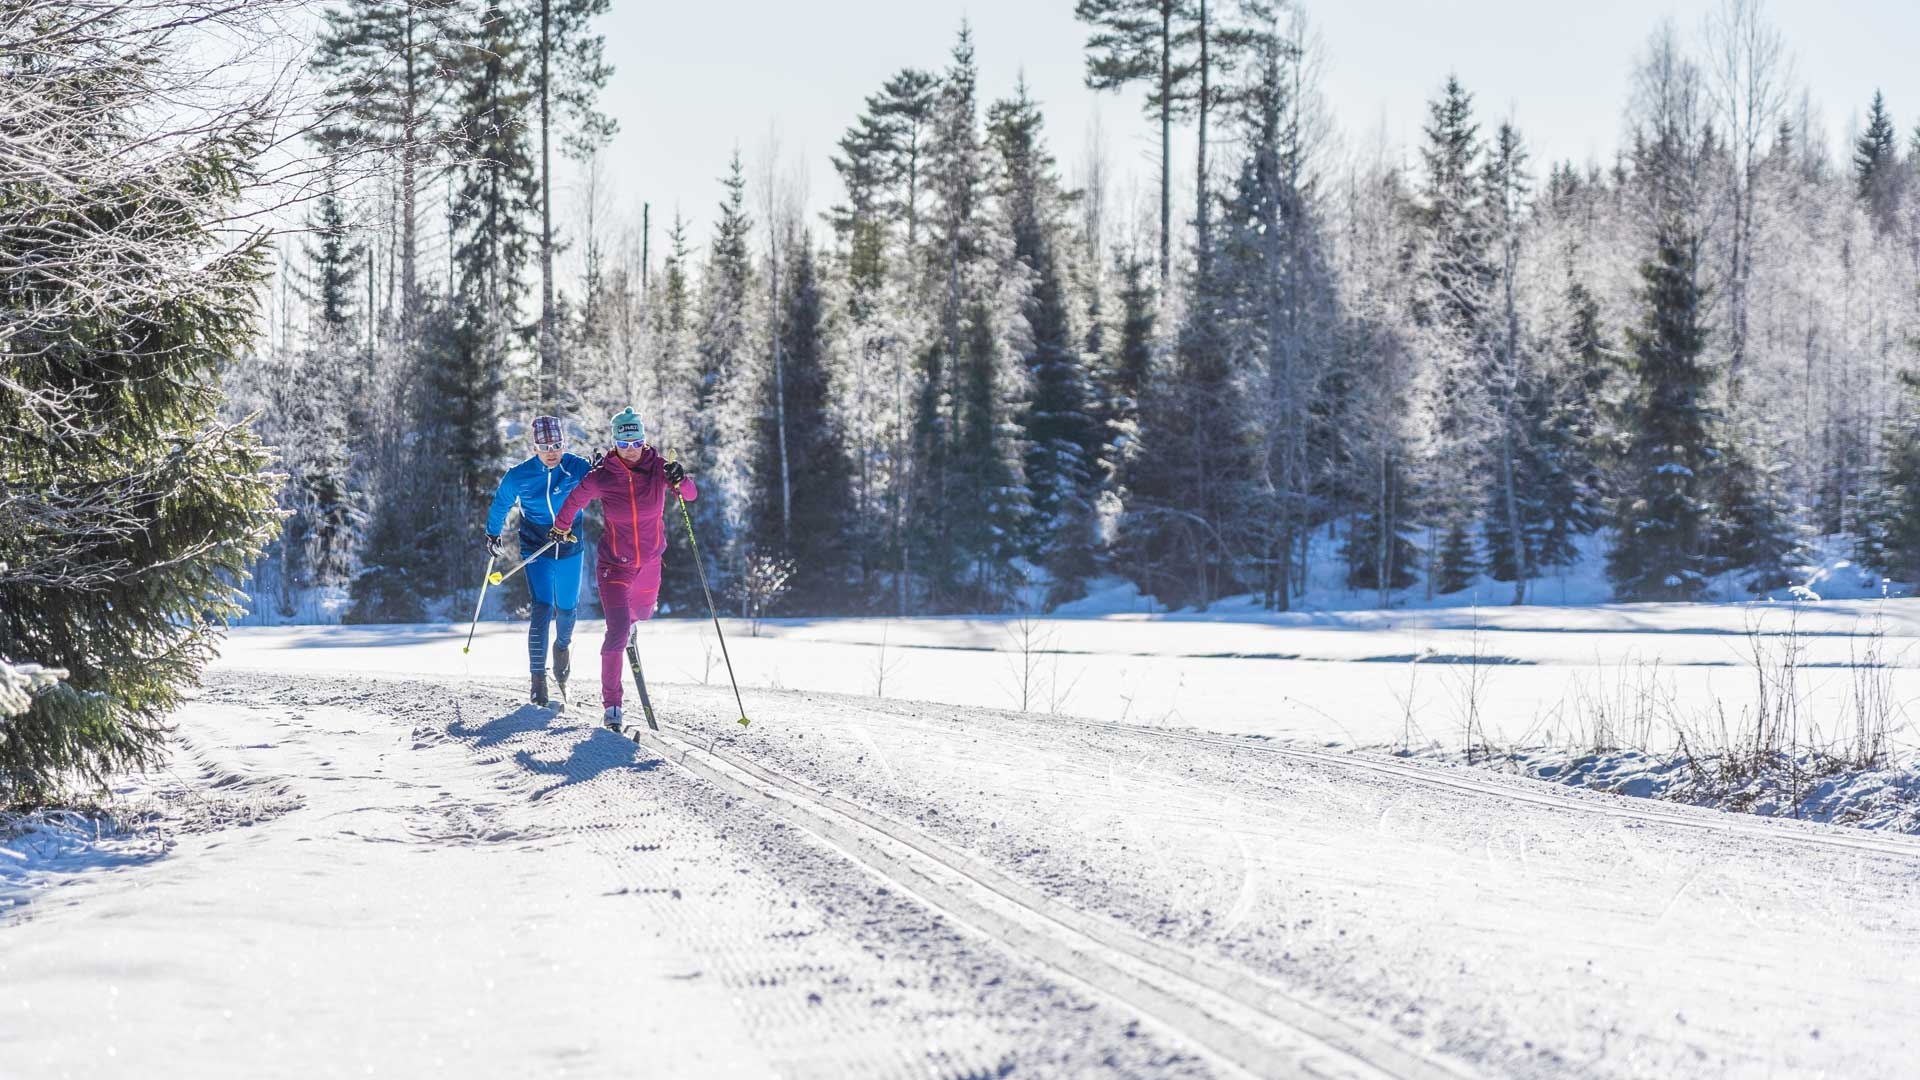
x: 559, y: 535
x: 675, y: 473
x: 496, y: 547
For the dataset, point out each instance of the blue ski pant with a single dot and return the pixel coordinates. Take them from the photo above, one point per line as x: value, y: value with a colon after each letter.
x: 555, y: 585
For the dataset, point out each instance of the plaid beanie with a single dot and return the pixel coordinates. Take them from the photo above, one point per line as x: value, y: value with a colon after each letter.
x: 547, y: 434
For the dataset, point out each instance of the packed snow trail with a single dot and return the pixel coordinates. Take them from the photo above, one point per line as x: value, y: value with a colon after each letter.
x: 1254, y: 1026
x: 1522, y: 928
x: 866, y: 887
x: 450, y: 885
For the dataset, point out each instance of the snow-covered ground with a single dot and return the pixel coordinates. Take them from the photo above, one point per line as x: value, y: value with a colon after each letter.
x: 368, y: 856
x: 1358, y: 678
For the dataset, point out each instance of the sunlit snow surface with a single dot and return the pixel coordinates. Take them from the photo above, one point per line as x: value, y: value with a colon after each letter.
x: 1358, y: 678
x: 367, y: 856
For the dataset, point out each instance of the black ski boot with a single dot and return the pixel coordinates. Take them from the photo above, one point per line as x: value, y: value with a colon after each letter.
x: 562, y: 667
x: 539, y: 693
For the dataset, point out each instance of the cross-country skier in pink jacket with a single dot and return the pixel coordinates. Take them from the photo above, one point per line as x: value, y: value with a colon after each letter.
x: 632, y: 485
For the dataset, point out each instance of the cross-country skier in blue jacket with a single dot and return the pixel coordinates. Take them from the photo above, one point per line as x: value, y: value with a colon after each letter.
x: 539, y: 485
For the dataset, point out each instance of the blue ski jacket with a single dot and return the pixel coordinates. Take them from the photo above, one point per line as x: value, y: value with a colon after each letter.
x: 539, y: 492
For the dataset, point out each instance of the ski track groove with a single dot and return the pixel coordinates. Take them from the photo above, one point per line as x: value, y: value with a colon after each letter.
x: 1251, y: 1024
x: 598, y: 809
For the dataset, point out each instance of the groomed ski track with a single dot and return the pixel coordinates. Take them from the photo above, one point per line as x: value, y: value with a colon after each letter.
x: 437, y: 879
x: 1248, y: 1025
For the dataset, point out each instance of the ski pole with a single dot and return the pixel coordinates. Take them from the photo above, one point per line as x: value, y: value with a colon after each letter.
x: 477, y: 604
x: 711, y: 610
x: 516, y: 568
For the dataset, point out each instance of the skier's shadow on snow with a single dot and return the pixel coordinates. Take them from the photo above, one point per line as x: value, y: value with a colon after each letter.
x: 501, y: 728
x: 601, y: 752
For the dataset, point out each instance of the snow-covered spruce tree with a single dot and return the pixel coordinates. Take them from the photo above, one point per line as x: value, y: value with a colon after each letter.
x: 1660, y: 553
x: 1375, y: 370
x: 718, y: 444
x: 813, y: 535
x: 987, y: 470
x: 459, y: 354
x: 1891, y: 543
x: 1185, y: 535
x: 315, y: 413
x: 966, y: 495
x: 1128, y: 373
x: 1062, y: 436
x: 1879, y: 176
x: 1455, y: 312
x: 1537, y: 502
x: 128, y: 511
x: 1283, y: 299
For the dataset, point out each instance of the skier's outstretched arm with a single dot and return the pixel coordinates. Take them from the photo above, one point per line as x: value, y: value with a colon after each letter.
x: 577, y: 499
x: 681, y: 483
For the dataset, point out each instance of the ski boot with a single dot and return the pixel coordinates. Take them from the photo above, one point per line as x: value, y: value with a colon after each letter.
x: 562, y: 667
x: 614, y: 722
x: 538, y: 695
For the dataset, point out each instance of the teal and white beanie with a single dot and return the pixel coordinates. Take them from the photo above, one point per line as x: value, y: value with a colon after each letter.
x: 627, y: 427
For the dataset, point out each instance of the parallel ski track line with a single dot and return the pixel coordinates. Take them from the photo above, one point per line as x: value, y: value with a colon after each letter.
x: 1252, y: 1026
x: 1724, y: 822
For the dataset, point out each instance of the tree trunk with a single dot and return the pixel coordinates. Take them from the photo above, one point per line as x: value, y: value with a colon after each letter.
x: 409, y: 130
x: 779, y: 380
x: 1166, y: 138
x: 1202, y: 236
x: 549, y: 344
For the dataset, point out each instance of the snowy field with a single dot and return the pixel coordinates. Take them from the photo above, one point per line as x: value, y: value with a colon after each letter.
x: 1356, y: 678
x: 369, y: 858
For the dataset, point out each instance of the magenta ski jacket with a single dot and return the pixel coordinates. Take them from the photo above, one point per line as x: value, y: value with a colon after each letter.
x: 633, y: 503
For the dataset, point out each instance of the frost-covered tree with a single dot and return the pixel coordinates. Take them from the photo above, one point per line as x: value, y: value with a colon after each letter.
x: 568, y: 75
x: 1458, y: 331
x: 1661, y: 550
x: 1879, y: 176
x: 811, y: 537
x: 128, y: 509
x: 1059, y: 427
x: 390, y: 67
x: 1283, y: 300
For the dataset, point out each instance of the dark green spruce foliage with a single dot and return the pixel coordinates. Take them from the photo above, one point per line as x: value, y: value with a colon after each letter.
x: 1061, y: 433
x: 968, y: 498
x: 1179, y: 538
x: 1878, y: 173
x: 423, y: 541
x: 1892, y: 541
x: 128, y: 512
x: 1660, y: 553
x: 816, y: 470
x: 1455, y: 305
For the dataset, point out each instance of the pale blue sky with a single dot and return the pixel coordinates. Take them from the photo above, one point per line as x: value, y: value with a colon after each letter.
x: 693, y: 80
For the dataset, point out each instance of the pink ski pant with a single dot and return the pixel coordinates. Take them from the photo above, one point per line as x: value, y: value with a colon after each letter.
x: 627, y: 595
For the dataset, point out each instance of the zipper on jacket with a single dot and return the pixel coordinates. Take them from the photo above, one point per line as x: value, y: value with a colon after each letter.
x: 633, y: 513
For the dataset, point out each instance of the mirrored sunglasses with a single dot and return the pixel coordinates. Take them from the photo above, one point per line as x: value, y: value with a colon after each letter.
x: 628, y: 444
